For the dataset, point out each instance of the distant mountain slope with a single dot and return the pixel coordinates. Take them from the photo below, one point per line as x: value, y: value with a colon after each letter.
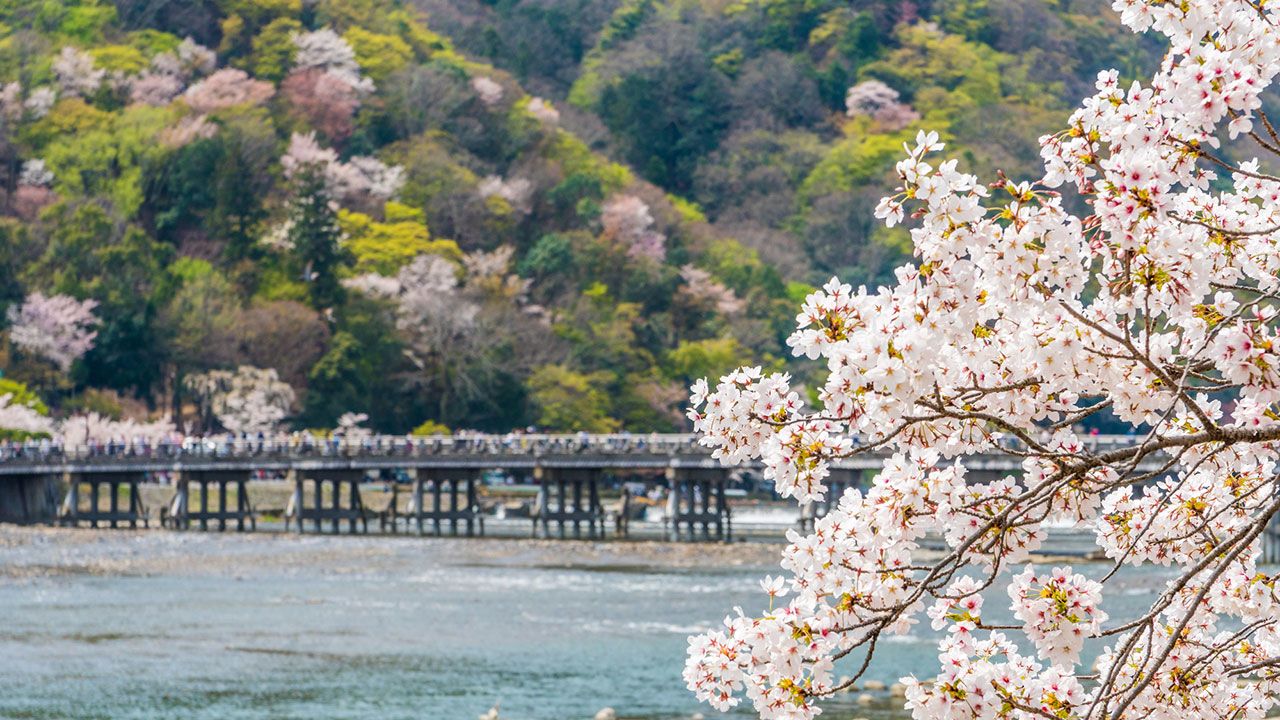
x: 743, y: 105
x: 281, y: 212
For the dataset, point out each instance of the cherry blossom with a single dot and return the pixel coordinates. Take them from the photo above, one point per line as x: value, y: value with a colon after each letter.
x: 1017, y: 322
x: 1059, y: 610
x: 627, y: 220
x: 35, y: 173
x: 57, y: 327
x: 701, y: 287
x: 227, y: 88
x: 326, y: 99
x: 155, y: 88
x: 350, y: 425
x: 75, y: 72
x: 91, y: 428
x: 488, y: 90
x: 186, y: 130
x: 11, y: 100
x: 515, y: 191
x: 22, y: 418
x: 878, y: 101
x: 328, y: 51
x: 360, y: 176
x: 195, y: 59
x: 248, y: 400
x: 543, y: 111
x: 41, y: 101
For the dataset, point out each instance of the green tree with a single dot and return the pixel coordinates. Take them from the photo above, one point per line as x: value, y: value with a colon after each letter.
x: 273, y: 49
x: 378, y: 55
x: 314, y: 233
x: 567, y: 400
x: 669, y: 113
x: 691, y: 360
x: 385, y: 247
x: 91, y: 254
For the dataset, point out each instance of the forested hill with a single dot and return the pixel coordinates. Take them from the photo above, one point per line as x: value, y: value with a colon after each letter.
x: 244, y: 214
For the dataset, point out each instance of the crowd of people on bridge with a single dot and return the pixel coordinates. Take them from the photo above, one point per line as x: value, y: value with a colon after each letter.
x: 307, y: 443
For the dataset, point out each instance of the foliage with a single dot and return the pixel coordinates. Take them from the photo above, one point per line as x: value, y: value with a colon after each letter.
x: 626, y: 190
x: 378, y: 55
x: 314, y: 233
x: 385, y: 247
x: 429, y: 428
x: 571, y: 401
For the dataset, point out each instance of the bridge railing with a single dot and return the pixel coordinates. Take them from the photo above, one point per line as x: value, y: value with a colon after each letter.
x: 305, y: 445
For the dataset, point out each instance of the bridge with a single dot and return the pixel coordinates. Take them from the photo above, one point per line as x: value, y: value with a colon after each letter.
x: 434, y: 482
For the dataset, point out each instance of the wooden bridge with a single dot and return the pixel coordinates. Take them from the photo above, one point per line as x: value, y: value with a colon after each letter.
x: 100, y: 486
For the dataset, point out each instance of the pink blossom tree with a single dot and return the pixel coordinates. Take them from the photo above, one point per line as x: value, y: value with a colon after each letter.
x: 326, y: 50
x: 626, y: 220
x: 75, y: 72
x: 79, y: 431
x: 40, y: 101
x: 248, y: 400
x: 362, y: 177
x: 1017, y: 322
x: 58, y: 327
x: 487, y: 89
x: 22, y: 419
x: 879, y: 102
x: 543, y: 111
x: 154, y: 88
x: 186, y: 130
x: 227, y: 88
x: 11, y: 101
x: 325, y: 99
x: 702, y: 288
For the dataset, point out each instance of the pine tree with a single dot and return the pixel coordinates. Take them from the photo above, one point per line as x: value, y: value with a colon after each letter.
x: 314, y: 234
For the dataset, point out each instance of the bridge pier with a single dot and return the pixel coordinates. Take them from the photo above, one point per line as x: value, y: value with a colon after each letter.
x: 576, y: 492
x: 350, y: 508
x: 459, y: 486
x: 132, y: 512
x: 697, y: 504
x: 181, y: 515
x: 29, y: 498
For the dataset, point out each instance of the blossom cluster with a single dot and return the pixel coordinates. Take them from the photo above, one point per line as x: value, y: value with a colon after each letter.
x: 1059, y: 609
x: 58, y: 328
x: 361, y: 176
x: 247, y: 400
x: 21, y: 417
x: 881, y: 103
x: 328, y: 52
x: 626, y: 219
x: 1017, y: 321
x: 95, y: 429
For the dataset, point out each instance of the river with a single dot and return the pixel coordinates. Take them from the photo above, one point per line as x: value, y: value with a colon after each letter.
x: 103, y: 624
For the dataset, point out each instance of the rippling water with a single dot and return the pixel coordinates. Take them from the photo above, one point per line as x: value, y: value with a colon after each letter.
x: 197, y: 626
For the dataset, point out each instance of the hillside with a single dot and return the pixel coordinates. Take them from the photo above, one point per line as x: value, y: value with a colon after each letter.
x: 256, y: 214
x: 782, y: 119
x: 454, y: 214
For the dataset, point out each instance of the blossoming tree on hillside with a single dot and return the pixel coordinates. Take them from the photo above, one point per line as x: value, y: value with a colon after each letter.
x: 1018, y: 322
x: 248, y: 400
x: 58, y: 328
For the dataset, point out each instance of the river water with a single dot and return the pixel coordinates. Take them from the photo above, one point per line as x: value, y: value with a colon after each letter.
x: 159, y: 625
